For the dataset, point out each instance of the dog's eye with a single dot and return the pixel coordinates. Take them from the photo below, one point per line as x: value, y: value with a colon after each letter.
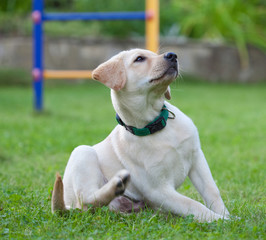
x: 139, y: 59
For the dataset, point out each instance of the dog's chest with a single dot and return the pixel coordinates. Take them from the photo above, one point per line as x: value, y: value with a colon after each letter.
x: 161, y: 161
x: 171, y: 166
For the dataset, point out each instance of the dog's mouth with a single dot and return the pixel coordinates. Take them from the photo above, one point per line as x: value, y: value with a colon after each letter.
x: 171, y: 71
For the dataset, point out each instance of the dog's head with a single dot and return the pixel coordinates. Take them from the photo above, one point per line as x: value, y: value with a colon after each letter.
x: 138, y: 70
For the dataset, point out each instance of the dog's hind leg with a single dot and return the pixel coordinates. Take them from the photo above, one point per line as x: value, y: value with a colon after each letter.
x: 113, y: 188
x: 84, y: 183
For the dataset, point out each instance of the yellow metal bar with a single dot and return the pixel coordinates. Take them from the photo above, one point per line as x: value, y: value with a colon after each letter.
x: 152, y: 25
x: 66, y: 74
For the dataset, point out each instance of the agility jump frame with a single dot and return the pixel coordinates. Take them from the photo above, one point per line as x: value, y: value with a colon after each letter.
x: 150, y: 16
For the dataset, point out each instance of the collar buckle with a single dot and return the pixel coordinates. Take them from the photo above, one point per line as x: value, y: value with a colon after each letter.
x: 129, y: 128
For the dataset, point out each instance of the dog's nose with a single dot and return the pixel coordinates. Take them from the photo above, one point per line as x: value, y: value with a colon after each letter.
x: 170, y: 56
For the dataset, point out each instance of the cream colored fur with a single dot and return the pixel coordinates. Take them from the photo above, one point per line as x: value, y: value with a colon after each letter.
x: 157, y: 164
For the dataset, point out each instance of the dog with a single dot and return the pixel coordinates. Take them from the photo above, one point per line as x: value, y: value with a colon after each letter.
x: 149, y: 153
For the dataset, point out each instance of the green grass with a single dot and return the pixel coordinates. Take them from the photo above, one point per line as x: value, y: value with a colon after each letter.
x: 231, y: 123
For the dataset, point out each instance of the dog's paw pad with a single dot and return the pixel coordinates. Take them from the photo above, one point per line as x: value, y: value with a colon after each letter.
x: 120, y: 184
x: 122, y: 178
x: 120, y: 187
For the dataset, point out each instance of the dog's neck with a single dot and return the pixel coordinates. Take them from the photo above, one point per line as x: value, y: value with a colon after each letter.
x: 138, y: 110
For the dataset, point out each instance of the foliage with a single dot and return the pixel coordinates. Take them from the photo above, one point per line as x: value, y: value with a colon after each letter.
x: 15, y: 6
x: 115, y: 28
x: 236, y: 21
x: 33, y: 147
x: 232, y: 21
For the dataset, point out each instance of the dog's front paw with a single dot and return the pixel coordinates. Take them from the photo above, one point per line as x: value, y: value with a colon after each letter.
x: 122, y: 178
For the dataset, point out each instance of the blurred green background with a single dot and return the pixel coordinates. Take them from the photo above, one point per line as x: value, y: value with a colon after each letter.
x: 237, y: 23
x: 240, y: 22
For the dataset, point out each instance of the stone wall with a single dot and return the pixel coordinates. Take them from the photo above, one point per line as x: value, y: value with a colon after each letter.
x: 214, y: 62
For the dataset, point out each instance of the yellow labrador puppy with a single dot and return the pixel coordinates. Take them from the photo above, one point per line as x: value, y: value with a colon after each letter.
x: 149, y: 153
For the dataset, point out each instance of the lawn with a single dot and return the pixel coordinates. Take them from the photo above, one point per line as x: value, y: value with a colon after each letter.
x: 232, y: 127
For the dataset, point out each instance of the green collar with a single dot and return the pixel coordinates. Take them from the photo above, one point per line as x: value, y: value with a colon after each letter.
x: 156, y: 125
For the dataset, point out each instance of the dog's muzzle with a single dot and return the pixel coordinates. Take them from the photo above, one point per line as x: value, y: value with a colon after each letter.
x: 171, y: 58
x: 171, y: 67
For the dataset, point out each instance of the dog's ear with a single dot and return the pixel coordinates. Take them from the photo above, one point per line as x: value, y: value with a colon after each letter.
x: 167, y: 94
x: 111, y: 73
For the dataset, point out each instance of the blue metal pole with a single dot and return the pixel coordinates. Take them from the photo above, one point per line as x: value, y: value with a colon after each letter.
x: 37, y: 72
x: 101, y: 16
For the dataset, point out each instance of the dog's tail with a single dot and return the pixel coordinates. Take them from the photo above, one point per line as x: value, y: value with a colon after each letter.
x: 58, y: 203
